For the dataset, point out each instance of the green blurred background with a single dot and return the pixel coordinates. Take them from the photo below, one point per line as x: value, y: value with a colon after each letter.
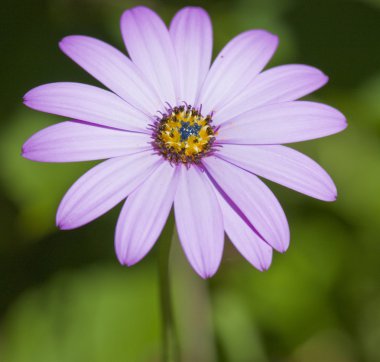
x: 63, y: 295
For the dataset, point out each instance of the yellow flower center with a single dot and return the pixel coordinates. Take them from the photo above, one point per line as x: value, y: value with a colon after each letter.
x: 183, y: 135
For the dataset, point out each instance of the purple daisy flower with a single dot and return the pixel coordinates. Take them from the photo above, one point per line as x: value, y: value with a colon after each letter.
x: 175, y: 130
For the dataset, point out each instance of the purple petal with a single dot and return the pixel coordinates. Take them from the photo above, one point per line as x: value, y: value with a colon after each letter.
x: 235, y: 67
x: 149, y: 45
x: 191, y: 32
x: 144, y: 215
x: 112, y: 68
x: 199, y: 221
x: 86, y: 103
x: 246, y: 241
x: 252, y: 199
x: 282, y: 123
x: 104, y: 186
x: 280, y: 84
x: 74, y: 141
x: 284, y: 166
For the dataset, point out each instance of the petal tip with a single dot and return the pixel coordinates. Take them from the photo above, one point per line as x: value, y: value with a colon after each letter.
x: 70, y: 42
x: 340, y: 117
x: 320, y: 77
x: 130, y: 263
x: 195, y: 9
x: 331, y: 193
x: 124, y: 257
x: 29, y: 96
x: 274, y: 38
x: 206, y: 275
x: 64, y: 42
x: 61, y: 225
x: 265, y: 264
x: 24, y: 151
x: 127, y: 262
x: 140, y: 7
x: 28, y: 103
x: 119, y: 255
x: 69, y: 38
x: 135, y: 9
x: 283, y: 245
x: 341, y: 123
x: 263, y: 268
x: 315, y: 73
x: 25, y: 98
x: 330, y: 198
x: 283, y: 248
x: 345, y: 123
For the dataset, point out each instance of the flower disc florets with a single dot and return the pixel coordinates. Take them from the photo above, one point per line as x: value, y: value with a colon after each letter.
x: 183, y: 135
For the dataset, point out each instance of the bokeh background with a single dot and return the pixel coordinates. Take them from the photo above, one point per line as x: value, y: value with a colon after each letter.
x: 63, y: 295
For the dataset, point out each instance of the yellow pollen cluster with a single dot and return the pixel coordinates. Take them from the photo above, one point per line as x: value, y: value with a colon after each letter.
x: 184, y: 135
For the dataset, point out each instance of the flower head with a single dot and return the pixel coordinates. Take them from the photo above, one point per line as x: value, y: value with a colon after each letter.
x: 175, y: 130
x: 183, y: 135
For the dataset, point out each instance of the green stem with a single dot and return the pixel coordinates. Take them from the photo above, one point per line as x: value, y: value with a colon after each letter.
x: 170, y: 345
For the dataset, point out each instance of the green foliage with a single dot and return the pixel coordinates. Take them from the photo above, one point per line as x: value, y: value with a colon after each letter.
x: 103, y: 313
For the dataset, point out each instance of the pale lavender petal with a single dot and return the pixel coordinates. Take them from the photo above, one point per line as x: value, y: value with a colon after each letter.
x: 150, y: 47
x: 280, y: 84
x: 252, y: 199
x: 191, y: 32
x: 199, y: 221
x: 86, y: 103
x: 282, y: 123
x: 75, y: 141
x: 283, y: 165
x: 246, y: 241
x: 104, y: 186
x: 144, y: 215
x: 112, y: 68
x: 235, y: 68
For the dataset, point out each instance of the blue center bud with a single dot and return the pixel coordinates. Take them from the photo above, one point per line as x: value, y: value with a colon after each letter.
x: 188, y: 130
